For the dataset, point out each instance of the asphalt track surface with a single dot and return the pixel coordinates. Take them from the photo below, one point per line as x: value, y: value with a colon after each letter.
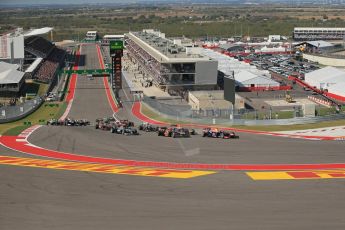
x: 34, y: 198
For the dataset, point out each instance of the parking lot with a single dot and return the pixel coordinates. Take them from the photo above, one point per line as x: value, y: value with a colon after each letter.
x: 280, y: 67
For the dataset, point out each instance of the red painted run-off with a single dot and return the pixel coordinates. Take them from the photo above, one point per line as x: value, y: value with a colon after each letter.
x: 136, y: 111
x: 23, y: 146
x: 73, y: 81
x: 110, y: 98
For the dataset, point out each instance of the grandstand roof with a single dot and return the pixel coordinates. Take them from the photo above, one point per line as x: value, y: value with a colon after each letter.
x: 9, y: 74
x: 34, y: 65
x: 40, y: 31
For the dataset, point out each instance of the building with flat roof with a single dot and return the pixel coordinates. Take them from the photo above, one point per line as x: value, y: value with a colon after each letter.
x: 91, y: 35
x: 170, y: 65
x: 212, y: 99
x: 315, y: 46
x: 11, y: 80
x: 108, y: 38
x: 318, y: 33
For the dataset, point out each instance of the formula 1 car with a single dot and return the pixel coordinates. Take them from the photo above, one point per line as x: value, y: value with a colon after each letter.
x: 215, y: 133
x: 173, y: 132
x: 130, y: 131
x: 161, y: 131
x: 124, y: 130
x: 70, y: 122
x: 180, y: 132
x: 125, y: 123
x: 230, y: 135
x: 82, y: 122
x: 55, y: 122
x: 104, y: 123
x: 147, y: 127
x: 104, y: 126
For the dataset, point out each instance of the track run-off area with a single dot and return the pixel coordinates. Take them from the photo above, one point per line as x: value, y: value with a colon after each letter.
x: 83, y: 178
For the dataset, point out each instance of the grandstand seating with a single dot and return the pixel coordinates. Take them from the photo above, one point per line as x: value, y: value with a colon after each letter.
x: 151, y: 65
x: 47, y: 70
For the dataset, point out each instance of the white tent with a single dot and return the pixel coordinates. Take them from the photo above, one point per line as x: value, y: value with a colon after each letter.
x: 229, y: 65
x: 248, y: 79
x: 325, y: 77
x: 338, y: 89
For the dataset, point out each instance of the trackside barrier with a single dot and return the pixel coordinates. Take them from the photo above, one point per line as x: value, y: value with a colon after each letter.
x: 320, y: 101
x: 17, y: 112
x: 304, y: 84
x: 227, y: 122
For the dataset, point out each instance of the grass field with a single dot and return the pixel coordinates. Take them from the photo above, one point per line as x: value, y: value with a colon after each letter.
x: 191, y: 21
x: 153, y: 115
x: 47, y: 111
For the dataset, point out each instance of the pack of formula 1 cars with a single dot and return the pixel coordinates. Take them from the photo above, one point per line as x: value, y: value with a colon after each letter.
x: 124, y: 127
x: 217, y: 133
x: 68, y: 122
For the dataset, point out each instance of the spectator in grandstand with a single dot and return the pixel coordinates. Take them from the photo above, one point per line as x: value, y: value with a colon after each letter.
x: 47, y: 70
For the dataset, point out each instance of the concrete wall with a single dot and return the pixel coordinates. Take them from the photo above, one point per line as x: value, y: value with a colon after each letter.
x: 337, y: 62
x: 206, y: 72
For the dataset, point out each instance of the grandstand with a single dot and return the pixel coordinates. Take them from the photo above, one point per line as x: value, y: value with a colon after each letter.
x: 43, y: 58
x: 47, y: 70
x: 38, y: 46
x: 38, y: 58
x: 170, y: 65
x: 318, y: 33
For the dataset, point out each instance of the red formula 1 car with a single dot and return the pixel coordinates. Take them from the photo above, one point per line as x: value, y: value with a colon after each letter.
x: 173, y: 132
x: 216, y: 133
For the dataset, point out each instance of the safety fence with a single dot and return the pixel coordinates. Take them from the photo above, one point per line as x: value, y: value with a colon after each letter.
x: 240, y: 116
x: 16, y: 112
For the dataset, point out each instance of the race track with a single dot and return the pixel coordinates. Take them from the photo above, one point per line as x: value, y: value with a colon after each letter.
x: 45, y: 198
